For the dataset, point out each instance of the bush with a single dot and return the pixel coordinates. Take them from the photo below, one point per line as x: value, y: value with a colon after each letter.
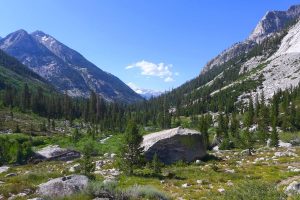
x: 148, y: 192
x: 109, y: 190
x: 254, y: 190
x: 100, y: 189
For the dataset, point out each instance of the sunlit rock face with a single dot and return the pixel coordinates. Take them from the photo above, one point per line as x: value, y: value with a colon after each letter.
x: 174, y: 145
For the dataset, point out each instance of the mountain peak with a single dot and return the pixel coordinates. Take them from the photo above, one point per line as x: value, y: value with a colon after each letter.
x: 38, y: 33
x: 272, y: 22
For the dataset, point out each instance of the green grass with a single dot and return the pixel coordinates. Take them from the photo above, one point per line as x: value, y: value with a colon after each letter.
x: 289, y: 136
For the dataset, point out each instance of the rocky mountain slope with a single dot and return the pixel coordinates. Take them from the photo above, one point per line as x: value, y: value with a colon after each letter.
x: 272, y: 23
x: 269, y: 60
x: 13, y: 73
x: 65, y: 68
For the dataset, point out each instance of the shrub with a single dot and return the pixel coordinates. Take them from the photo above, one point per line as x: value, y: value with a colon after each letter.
x: 253, y: 190
x: 148, y: 192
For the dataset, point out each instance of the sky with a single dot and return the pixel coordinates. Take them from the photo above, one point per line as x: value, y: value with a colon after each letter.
x: 152, y: 44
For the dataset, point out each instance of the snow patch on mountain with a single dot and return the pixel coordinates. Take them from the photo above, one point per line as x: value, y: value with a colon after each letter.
x: 146, y: 93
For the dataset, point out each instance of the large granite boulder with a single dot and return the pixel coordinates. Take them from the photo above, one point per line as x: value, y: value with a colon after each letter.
x: 174, y: 145
x: 63, y: 186
x: 54, y: 152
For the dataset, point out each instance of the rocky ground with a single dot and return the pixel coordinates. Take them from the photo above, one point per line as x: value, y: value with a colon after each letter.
x: 280, y: 166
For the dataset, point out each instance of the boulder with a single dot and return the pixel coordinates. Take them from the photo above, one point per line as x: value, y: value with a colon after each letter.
x: 54, y: 152
x: 4, y: 169
x: 63, y: 186
x: 174, y: 145
x: 293, y: 188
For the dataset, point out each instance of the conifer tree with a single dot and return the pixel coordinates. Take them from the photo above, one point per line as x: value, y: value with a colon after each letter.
x: 88, y: 167
x: 274, y: 135
x: 156, y: 164
x: 247, y: 141
x: 131, y: 151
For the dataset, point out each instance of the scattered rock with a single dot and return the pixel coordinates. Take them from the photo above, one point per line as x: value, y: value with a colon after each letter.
x: 216, y: 148
x: 293, y: 188
x: 17, y: 196
x: 4, y: 169
x: 10, y: 175
x: 286, y: 153
x: 229, y: 183
x: 54, y: 152
x: 293, y: 169
x: 185, y: 185
x: 199, y: 181
x: 63, y: 186
x: 284, y: 144
x: 75, y: 168
x: 230, y: 171
x: 105, y: 139
x: 113, y: 155
x: 259, y: 159
x: 174, y: 145
x: 37, y: 198
x: 221, y: 190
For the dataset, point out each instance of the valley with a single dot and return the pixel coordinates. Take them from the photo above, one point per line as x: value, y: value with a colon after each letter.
x: 69, y: 130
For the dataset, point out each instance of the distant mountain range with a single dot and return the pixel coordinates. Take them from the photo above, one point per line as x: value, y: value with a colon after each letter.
x: 146, y: 93
x: 65, y: 68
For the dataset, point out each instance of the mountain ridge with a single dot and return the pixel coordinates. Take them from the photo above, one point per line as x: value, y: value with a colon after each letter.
x: 65, y: 68
x: 271, y: 23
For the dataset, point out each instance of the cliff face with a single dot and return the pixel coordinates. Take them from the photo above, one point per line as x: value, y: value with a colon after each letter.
x: 272, y: 23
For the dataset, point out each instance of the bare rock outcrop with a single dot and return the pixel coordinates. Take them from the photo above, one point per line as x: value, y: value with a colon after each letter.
x: 63, y: 186
x: 54, y: 152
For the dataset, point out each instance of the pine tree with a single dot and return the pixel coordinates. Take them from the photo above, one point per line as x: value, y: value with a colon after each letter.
x: 76, y: 135
x: 17, y: 129
x: 203, y: 127
x: 131, y: 150
x: 247, y: 141
x: 274, y: 135
x: 234, y: 125
x: 87, y: 166
x: 25, y: 98
x: 263, y: 121
x: 156, y: 164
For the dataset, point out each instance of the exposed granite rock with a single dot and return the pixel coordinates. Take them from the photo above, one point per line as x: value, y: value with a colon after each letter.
x: 63, y: 186
x: 174, y: 145
x: 54, y: 152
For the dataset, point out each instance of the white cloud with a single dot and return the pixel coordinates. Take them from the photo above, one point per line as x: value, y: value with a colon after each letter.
x: 169, y: 79
x: 161, y: 70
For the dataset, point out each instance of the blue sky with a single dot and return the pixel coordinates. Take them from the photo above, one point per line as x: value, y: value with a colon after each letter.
x: 154, y: 44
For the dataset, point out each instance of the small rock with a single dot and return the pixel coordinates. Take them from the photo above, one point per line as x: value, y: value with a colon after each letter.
x: 229, y: 183
x: 230, y: 171
x: 221, y: 190
x: 106, y: 155
x: 199, y: 181
x: 185, y: 185
x: 10, y: 175
x: 162, y: 181
x: 284, y: 144
x: 113, y: 155
x: 75, y: 168
x: 3, y: 169
x: 293, y: 169
x: 216, y: 148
